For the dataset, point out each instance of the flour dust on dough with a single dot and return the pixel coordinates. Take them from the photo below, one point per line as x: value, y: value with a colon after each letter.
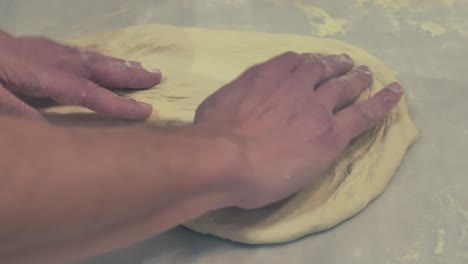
x: 196, y: 62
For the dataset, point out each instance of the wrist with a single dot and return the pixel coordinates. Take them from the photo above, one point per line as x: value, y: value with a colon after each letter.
x: 227, y: 164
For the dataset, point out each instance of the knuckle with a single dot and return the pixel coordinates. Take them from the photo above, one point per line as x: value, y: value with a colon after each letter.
x: 291, y: 55
x: 261, y: 70
x: 326, y: 65
x: 86, y: 56
x: 115, y: 66
x: 72, y: 51
x: 311, y: 56
x: 317, y: 67
x: 83, y: 93
x: 271, y: 66
x: 253, y: 69
x: 316, y: 62
x: 48, y: 44
x: 77, y: 95
x: 341, y: 59
x: 89, y: 58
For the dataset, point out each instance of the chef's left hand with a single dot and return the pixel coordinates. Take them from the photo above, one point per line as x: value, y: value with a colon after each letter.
x: 40, y: 67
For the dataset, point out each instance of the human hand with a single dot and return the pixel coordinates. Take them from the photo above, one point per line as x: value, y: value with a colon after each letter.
x: 39, y: 67
x: 292, y: 116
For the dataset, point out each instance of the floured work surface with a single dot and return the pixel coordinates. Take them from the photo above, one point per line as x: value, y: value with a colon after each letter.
x: 196, y: 62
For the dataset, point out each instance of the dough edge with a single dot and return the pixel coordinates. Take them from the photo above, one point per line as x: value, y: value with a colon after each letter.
x: 339, y: 208
x: 330, y: 214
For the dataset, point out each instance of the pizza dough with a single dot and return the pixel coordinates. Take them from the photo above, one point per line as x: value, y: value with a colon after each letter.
x: 195, y: 62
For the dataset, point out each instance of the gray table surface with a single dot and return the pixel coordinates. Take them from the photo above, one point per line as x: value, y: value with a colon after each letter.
x: 422, y: 218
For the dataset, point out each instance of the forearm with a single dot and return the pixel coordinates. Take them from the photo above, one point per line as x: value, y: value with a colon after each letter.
x: 60, y: 187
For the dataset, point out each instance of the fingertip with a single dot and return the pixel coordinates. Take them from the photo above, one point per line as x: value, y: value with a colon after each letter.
x: 389, y: 96
x: 153, y: 78
x: 140, y: 111
x: 361, y: 116
x: 395, y: 88
x: 341, y: 58
x: 394, y: 93
x: 343, y: 62
x: 145, y: 106
x: 118, y: 73
x: 144, y: 79
x: 156, y: 76
x: 143, y: 115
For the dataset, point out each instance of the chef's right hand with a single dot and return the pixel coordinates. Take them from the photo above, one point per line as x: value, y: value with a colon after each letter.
x: 291, y: 117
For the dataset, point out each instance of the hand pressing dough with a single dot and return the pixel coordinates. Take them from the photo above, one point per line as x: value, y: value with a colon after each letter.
x: 196, y: 62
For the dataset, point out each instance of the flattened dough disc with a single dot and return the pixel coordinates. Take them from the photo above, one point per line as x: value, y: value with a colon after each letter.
x: 196, y: 62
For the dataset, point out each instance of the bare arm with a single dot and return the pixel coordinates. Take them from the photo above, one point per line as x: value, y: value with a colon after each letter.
x: 82, y: 192
x: 65, y: 194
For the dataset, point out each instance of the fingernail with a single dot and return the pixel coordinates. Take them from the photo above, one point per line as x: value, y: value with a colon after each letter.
x: 395, y: 87
x: 145, y: 105
x: 364, y: 69
x: 154, y: 70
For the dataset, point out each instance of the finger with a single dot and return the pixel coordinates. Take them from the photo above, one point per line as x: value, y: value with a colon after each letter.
x: 69, y: 89
x: 357, y: 118
x: 117, y: 73
x: 107, y: 103
x: 84, y: 93
x: 12, y: 106
x: 287, y: 61
x: 317, y: 68
x: 338, y: 92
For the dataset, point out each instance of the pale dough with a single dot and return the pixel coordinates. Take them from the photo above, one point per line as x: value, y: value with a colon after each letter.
x: 196, y: 62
